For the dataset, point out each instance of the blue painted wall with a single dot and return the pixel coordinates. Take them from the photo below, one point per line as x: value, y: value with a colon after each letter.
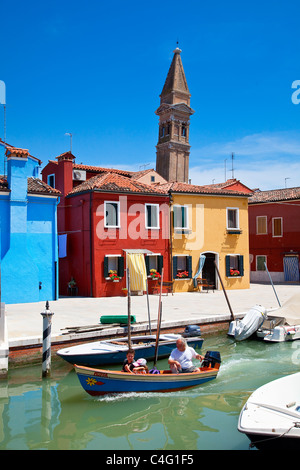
x: 29, y: 252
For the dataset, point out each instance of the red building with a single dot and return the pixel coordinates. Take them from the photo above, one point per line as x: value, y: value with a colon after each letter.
x: 105, y: 218
x: 274, y: 229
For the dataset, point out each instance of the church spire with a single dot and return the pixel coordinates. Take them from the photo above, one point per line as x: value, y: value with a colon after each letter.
x: 175, y: 88
x: 173, y: 149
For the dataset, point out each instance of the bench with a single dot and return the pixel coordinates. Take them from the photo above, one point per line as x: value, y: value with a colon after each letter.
x: 167, y: 288
x: 204, y: 283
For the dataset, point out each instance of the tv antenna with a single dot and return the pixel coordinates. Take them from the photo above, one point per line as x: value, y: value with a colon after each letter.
x: 232, y: 170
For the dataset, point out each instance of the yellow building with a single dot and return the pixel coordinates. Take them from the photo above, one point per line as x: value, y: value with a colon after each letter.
x: 209, y: 233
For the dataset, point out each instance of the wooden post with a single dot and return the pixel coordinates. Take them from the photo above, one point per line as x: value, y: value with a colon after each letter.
x: 47, y: 319
x: 159, y: 318
x: 227, y: 300
x: 129, y: 309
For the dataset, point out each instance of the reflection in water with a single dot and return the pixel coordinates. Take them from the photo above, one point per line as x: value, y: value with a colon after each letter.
x: 55, y: 413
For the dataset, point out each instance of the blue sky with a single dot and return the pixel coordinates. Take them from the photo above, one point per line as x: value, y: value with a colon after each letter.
x: 96, y: 69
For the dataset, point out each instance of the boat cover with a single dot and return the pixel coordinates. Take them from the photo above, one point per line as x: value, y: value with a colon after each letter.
x: 290, y: 310
x: 250, y: 323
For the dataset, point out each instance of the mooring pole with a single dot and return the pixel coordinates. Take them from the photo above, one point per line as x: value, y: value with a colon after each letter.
x: 226, y: 297
x: 47, y: 319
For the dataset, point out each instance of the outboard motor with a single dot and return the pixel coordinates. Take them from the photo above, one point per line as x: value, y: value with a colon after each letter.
x: 212, y: 359
x: 191, y: 330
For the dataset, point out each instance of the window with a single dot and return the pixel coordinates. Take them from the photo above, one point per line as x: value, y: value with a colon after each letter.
x: 111, y: 214
x: 152, y: 179
x: 180, y: 214
x: 234, y: 265
x: 152, y: 215
x: 113, y: 263
x: 260, y: 262
x: 51, y: 180
x: 277, y: 226
x: 233, y: 222
x: 261, y: 225
x: 183, y: 131
x: 154, y: 262
x: 182, y: 267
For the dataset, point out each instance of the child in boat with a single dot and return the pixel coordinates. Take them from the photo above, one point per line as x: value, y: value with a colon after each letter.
x: 140, y: 367
x: 128, y: 363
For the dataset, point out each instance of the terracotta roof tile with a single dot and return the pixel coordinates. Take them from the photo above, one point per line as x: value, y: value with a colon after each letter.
x: 177, y: 187
x: 34, y: 186
x: 115, y: 182
x: 37, y: 186
x: 274, y: 195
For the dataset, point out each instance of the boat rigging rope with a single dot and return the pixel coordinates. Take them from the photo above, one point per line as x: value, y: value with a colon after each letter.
x: 295, y: 425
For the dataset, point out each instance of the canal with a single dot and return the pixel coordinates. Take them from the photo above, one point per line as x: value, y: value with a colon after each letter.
x: 56, y: 414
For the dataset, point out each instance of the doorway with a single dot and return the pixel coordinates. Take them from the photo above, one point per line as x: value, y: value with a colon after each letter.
x: 291, y: 268
x: 209, y: 269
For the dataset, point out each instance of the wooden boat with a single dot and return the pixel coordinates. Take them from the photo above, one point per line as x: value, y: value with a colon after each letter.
x: 113, y: 351
x: 271, y: 416
x: 102, y: 382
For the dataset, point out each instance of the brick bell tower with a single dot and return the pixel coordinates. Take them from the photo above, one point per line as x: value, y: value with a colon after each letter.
x: 173, y: 149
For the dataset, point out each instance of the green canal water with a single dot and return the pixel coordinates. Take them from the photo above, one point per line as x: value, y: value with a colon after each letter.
x: 56, y: 413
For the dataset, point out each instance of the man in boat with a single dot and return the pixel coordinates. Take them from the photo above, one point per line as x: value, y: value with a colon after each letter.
x: 180, y: 359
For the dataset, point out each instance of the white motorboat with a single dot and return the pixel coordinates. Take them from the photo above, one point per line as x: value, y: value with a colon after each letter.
x: 283, y: 324
x: 271, y: 416
x: 243, y: 329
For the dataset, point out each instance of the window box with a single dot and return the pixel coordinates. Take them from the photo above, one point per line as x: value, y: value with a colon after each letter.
x: 154, y: 264
x: 234, y: 231
x: 234, y: 266
x: 182, y: 267
x: 113, y: 267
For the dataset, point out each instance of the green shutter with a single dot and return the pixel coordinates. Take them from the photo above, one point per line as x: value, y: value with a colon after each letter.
x: 105, y: 266
x: 227, y: 263
x: 241, y: 265
x: 160, y: 263
x: 121, y: 266
x: 189, y: 266
x: 147, y: 265
x: 174, y: 267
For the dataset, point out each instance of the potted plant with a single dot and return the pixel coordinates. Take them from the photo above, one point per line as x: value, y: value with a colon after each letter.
x: 113, y: 275
x: 154, y: 274
x: 234, y: 272
x: 182, y: 274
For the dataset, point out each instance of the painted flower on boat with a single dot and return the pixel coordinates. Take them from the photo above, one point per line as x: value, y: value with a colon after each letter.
x: 90, y: 381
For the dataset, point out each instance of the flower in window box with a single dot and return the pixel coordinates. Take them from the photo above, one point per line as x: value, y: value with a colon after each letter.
x: 234, y: 272
x: 154, y: 274
x: 113, y: 275
x: 182, y: 274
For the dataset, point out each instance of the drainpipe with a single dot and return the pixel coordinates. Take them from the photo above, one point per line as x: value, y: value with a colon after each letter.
x: 91, y: 247
x: 171, y: 241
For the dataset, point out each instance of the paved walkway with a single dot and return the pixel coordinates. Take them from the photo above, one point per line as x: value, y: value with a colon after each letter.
x: 24, y: 321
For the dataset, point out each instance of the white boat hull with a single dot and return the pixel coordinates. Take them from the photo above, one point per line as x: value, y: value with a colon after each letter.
x: 271, y: 416
x: 279, y: 333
